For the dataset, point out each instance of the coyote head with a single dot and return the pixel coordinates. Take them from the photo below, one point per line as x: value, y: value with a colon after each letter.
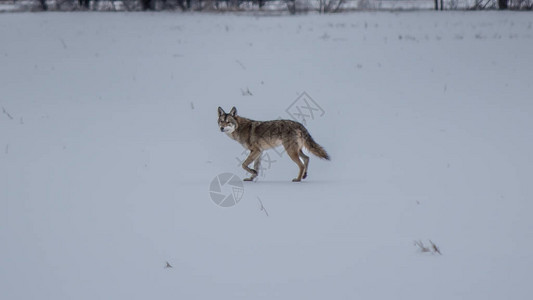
x: 227, y: 122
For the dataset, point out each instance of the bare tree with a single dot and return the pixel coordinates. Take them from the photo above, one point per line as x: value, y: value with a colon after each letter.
x: 328, y: 6
x: 84, y: 3
x: 147, y: 5
x: 43, y: 4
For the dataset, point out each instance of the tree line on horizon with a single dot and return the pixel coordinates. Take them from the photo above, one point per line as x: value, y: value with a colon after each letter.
x: 293, y: 6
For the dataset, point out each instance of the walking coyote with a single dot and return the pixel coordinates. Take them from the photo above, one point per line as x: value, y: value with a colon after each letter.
x: 258, y: 136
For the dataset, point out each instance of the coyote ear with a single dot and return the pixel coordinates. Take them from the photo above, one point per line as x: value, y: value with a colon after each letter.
x: 220, y: 111
x: 233, y: 111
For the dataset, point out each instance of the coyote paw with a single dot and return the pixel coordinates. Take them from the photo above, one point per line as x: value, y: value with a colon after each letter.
x: 305, y: 175
x: 296, y: 180
x: 251, y: 178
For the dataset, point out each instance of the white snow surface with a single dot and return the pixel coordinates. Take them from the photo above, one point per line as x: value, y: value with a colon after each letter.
x: 109, y: 143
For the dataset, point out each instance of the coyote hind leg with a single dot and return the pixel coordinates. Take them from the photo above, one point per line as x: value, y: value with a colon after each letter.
x: 306, y: 162
x: 296, y: 158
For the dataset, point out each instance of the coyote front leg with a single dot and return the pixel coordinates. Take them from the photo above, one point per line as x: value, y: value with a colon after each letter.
x: 254, y: 154
x: 257, y: 163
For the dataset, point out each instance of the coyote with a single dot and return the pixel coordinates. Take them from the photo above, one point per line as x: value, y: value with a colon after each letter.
x: 257, y: 136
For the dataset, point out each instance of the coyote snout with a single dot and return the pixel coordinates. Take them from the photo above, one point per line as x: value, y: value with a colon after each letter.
x: 258, y: 136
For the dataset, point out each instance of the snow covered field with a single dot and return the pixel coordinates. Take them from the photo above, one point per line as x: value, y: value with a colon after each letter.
x: 109, y: 143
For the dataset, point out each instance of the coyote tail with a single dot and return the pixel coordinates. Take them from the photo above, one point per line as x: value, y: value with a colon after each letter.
x: 314, y: 147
